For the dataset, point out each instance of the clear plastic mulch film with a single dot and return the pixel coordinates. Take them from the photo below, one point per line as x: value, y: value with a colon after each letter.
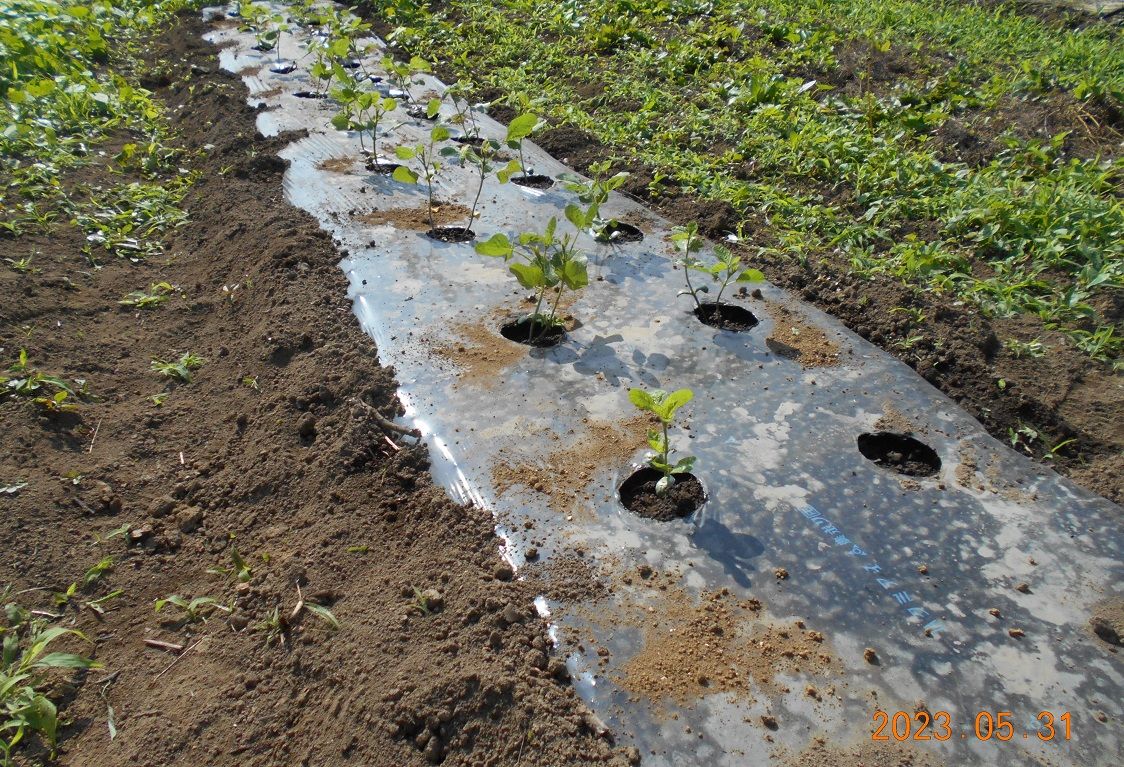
x: 972, y: 579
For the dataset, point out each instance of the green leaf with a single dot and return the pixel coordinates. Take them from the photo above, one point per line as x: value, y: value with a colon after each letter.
x: 529, y: 276
x: 65, y: 660
x: 404, y: 175
x: 505, y: 173
x: 522, y: 126
x: 576, y: 216
x: 498, y: 246
x: 574, y: 274
x: 751, y: 275
x: 683, y: 465
x: 439, y: 133
x: 324, y: 614
x: 676, y: 400
x: 641, y: 399
x: 431, y: 110
x: 42, y: 716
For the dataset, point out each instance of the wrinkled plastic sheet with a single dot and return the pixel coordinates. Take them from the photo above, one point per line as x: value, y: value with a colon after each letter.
x: 776, y: 446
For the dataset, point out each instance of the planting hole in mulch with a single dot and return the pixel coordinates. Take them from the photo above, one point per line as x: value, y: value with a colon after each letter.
x: 899, y: 452
x: 350, y: 64
x: 521, y: 332
x: 638, y: 495
x: 282, y: 67
x: 310, y: 95
x: 726, y: 316
x: 382, y: 168
x: 451, y: 234
x: 618, y: 231
x: 533, y: 181
x: 419, y: 113
x: 475, y: 141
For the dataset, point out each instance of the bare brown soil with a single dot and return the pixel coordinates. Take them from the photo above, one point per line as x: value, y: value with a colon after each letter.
x: 565, y: 475
x: 798, y: 339
x: 291, y: 472
x: 418, y: 218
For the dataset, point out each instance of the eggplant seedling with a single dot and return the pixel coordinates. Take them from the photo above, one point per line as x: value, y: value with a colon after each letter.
x: 361, y: 111
x: 545, y: 261
x: 401, y: 76
x: 663, y: 405
x: 594, y: 193
x: 463, y: 115
x: 426, y: 155
x: 726, y: 270
x: 517, y: 130
x: 481, y: 158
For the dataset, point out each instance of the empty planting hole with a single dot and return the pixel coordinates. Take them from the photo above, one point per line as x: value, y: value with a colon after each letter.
x: 899, y: 452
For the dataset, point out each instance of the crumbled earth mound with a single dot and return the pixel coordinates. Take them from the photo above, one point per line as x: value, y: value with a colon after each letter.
x: 262, y: 483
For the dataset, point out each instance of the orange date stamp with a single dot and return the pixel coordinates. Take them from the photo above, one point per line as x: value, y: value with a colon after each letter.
x: 986, y: 726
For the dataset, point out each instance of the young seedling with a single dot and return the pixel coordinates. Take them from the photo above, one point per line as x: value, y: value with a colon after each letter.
x: 21, y: 265
x: 193, y: 610
x: 463, y: 115
x: 24, y: 381
x: 726, y: 270
x: 517, y: 130
x: 24, y: 662
x: 426, y: 155
x: 663, y: 405
x: 157, y: 294
x: 545, y: 261
x: 594, y: 194
x: 401, y: 76
x: 181, y: 369
x: 481, y: 158
x: 241, y: 571
x: 361, y: 111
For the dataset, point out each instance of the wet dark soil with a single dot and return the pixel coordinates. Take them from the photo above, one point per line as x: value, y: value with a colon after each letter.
x: 900, y: 452
x: 638, y: 495
x: 618, y: 232
x: 532, y: 332
x: 533, y: 181
x: 725, y: 316
x: 271, y: 451
x: 451, y: 234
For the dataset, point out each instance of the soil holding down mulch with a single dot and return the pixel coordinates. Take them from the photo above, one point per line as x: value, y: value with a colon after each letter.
x: 638, y: 495
x: 271, y: 451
